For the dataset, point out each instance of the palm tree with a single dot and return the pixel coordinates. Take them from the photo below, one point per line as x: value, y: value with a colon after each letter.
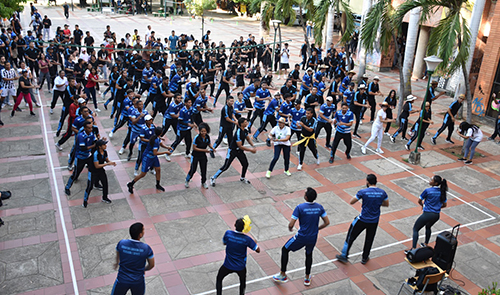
x: 362, y: 49
x: 322, y: 9
x: 451, y: 35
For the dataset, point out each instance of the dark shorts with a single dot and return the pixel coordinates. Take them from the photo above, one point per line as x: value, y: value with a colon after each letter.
x: 295, y: 244
x: 135, y: 288
x: 149, y: 163
x: 284, y: 66
x: 240, y: 83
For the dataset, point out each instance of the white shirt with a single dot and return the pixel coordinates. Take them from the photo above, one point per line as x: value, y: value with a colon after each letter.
x: 280, y: 134
x: 285, y: 55
x: 58, y: 81
x: 475, y: 136
x: 9, y: 75
x: 378, y: 123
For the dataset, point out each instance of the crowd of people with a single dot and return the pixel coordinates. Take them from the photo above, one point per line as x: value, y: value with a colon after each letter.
x: 181, y: 79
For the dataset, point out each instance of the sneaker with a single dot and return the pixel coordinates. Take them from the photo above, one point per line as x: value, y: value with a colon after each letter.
x: 84, y: 204
x: 224, y: 141
x: 393, y: 139
x: 342, y: 258
x: 129, y: 157
x: 360, y: 122
x: 363, y: 150
x: 468, y: 162
x: 268, y: 174
x: 387, y: 133
x: 182, y: 143
x: 130, y: 187
x: 299, y: 168
x: 244, y: 180
x: 328, y: 146
x: 187, y: 155
x: 212, y: 181
x: 204, y: 185
x: 1, y: 123
x: 11, y: 104
x: 331, y: 160
x: 160, y: 188
x: 186, y: 184
x: 423, y: 245
x: 136, y: 172
x: 364, y: 261
x: 407, y: 147
x: 106, y: 200
x: 167, y: 157
x: 348, y: 156
x: 462, y: 159
x: 380, y: 151
x: 433, y: 141
x: 404, y: 139
x: 317, y: 161
x: 307, y: 281
x: 50, y: 91
x: 103, y: 95
x: 67, y: 192
x: 255, y: 139
x: 58, y: 132
x: 70, y: 167
x: 51, y: 111
x: 356, y: 135
x: 212, y: 154
x: 32, y: 114
x: 58, y: 146
x: 280, y: 278
x: 491, y: 139
x: 421, y: 148
x: 450, y: 141
x: 111, y: 134
x: 268, y: 142
x: 98, y: 110
x: 152, y: 171
x: 121, y: 151
x: 106, y: 107
x: 12, y: 113
x: 98, y: 187
x: 288, y: 173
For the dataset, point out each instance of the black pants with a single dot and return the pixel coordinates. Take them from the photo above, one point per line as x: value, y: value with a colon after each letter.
x: 357, y: 113
x: 415, y: 133
x: 248, y: 104
x: 144, y: 87
x: 64, y: 114
x: 373, y: 107
x: 284, y: 260
x: 346, y: 137
x: 223, y: 131
x: 427, y: 219
x: 286, y: 156
x: 126, y: 140
x: 222, y: 86
x: 65, y: 136
x: 328, y: 129
x: 231, y: 155
x: 94, y: 178
x: 389, y: 116
x: 271, y: 119
x: 403, y: 126
x: 497, y: 129
x: 186, y: 135
x: 224, y: 271
x: 302, y: 149
x: 447, y: 123
x: 167, y: 123
x: 297, y: 133
x: 195, y: 160
x: 80, y: 164
x: 197, y: 119
x: 356, y: 228
x: 257, y: 113
x: 34, y: 66
x: 55, y: 97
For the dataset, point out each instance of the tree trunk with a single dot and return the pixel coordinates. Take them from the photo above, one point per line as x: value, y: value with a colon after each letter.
x: 362, y: 50
x: 402, y: 98
x: 304, y: 29
x: 468, y: 94
x: 264, y: 26
x: 330, y: 23
x: 411, y: 44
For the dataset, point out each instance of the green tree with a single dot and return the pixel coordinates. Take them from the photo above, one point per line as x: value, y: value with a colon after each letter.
x: 8, y: 7
x: 452, y: 35
x: 198, y: 8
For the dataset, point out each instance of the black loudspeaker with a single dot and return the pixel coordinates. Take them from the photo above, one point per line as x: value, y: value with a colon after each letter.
x: 445, y: 249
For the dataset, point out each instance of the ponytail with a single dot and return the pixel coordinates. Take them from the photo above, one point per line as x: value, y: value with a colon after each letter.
x: 157, y: 134
x: 443, y: 186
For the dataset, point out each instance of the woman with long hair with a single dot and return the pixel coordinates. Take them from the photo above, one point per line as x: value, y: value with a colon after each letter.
x: 392, y: 101
x: 90, y: 87
x: 432, y: 200
x: 473, y: 136
x: 377, y: 128
x: 201, y: 146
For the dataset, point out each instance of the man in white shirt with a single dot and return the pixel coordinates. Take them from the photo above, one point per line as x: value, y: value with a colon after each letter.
x: 8, y: 76
x: 285, y: 56
x: 280, y: 134
x: 60, y: 84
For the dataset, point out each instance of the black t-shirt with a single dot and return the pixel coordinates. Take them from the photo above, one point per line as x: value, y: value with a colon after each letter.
x: 201, y: 143
x: 26, y: 83
x: 226, y: 112
x: 102, y: 54
x: 88, y: 41
x: 311, y: 123
x: 239, y: 135
x: 32, y: 53
x: 78, y: 34
x: 372, y: 87
x: 46, y: 23
x: 241, y: 69
x: 101, y: 158
x: 406, y: 110
x: 284, y: 90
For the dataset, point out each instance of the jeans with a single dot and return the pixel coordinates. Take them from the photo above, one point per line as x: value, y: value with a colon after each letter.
x: 286, y: 156
x: 91, y: 94
x: 469, y: 149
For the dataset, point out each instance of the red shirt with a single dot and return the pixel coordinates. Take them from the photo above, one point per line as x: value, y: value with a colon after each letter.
x: 72, y: 114
x: 90, y: 83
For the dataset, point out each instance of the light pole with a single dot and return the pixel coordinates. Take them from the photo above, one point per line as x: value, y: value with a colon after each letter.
x: 276, y: 26
x: 432, y: 63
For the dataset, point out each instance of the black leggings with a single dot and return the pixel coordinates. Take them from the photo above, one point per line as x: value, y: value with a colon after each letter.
x: 389, y: 116
x: 55, y: 97
x: 257, y: 113
x: 232, y: 154
x: 447, y: 123
x: 403, y: 126
x: 222, y: 86
x: 224, y: 271
x: 284, y: 260
x: 427, y: 219
x: 202, y: 160
x: 167, y: 123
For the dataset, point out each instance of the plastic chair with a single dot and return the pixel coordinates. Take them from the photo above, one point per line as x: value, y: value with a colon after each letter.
x: 429, y: 280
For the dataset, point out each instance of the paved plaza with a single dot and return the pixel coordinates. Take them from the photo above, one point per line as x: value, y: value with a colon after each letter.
x: 44, y: 250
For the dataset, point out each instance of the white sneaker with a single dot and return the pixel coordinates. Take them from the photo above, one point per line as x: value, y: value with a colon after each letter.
x: 224, y: 141
x: 387, y: 133
x: 182, y: 143
x: 360, y: 122
x: 136, y: 172
x: 380, y: 151
x: 50, y: 91
x: 111, y: 134
x: 153, y: 172
x: 51, y: 110
x: 11, y: 104
x: 58, y: 146
x: 167, y: 157
x: 27, y: 105
x: 317, y: 161
x: 98, y: 110
x: 121, y: 151
x: 186, y: 184
x: 363, y: 150
x: 187, y: 155
x: 299, y: 168
x: 103, y: 96
x: 38, y: 104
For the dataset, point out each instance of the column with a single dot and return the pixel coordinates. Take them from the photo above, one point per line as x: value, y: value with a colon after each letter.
x: 423, y: 39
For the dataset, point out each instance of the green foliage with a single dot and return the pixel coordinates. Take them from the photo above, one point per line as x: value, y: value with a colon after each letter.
x: 197, y: 7
x: 491, y: 290
x: 379, y: 16
x: 321, y: 15
x: 8, y: 7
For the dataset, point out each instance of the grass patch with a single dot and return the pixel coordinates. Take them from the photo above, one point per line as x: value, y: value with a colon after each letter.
x: 457, y: 152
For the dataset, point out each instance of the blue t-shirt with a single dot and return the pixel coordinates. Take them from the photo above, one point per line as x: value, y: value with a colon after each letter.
x: 184, y: 119
x: 308, y: 215
x: 296, y: 116
x: 174, y: 83
x: 127, y: 104
x: 286, y: 108
x: 173, y: 41
x: 372, y: 200
x: 146, y: 133
x: 326, y: 111
x: 147, y: 74
x: 349, y: 94
x: 236, y: 249
x: 133, y: 257
x: 134, y: 113
x: 271, y: 107
x: 321, y: 88
x: 240, y: 106
x: 157, y: 82
x: 345, y: 84
x: 200, y: 102
x: 173, y: 109
x: 149, y: 151
x: 261, y: 93
x: 432, y: 199
x: 348, y: 117
x: 306, y: 80
x: 83, y: 141
x: 247, y: 92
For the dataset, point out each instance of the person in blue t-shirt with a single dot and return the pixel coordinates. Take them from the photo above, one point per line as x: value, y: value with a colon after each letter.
x: 236, y: 255
x: 372, y: 199
x: 269, y: 117
x: 432, y: 200
x: 131, y: 256
x: 137, y: 117
x: 324, y: 119
x: 184, y: 126
x: 308, y: 214
x: 343, y: 120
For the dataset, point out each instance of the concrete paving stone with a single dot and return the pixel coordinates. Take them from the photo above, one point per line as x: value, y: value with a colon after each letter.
x: 30, y: 267
x: 21, y: 168
x: 107, y: 123
x: 97, y: 252
x: 396, y: 201
x: 474, y: 182
x: 174, y: 201
x: 20, y: 131
x: 495, y: 239
x: 494, y: 200
x: 338, y: 210
x: 387, y: 145
x: 171, y: 174
x: 27, y: 225
x: 405, y: 225
x: 78, y: 188
x: 202, y: 278
x: 338, y: 288
x: 465, y: 213
x: 340, y: 153
x: 283, y: 184
x: 491, y: 166
x: 214, y: 164
x: 237, y: 191
x: 100, y: 213
x: 389, y: 279
x: 431, y: 159
x: 385, y: 167
x: 382, y: 238
x: 193, y: 235
x: 154, y: 285
x: 259, y: 162
x: 416, y: 185
x: 32, y: 147
x: 267, y: 222
x: 324, y: 155
x: 490, y: 147
x: 20, y: 118
x: 296, y: 260
x: 27, y: 193
x: 342, y: 173
x: 478, y: 264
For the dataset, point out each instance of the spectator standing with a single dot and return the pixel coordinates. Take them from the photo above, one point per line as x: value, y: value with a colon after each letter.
x: 47, y: 23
